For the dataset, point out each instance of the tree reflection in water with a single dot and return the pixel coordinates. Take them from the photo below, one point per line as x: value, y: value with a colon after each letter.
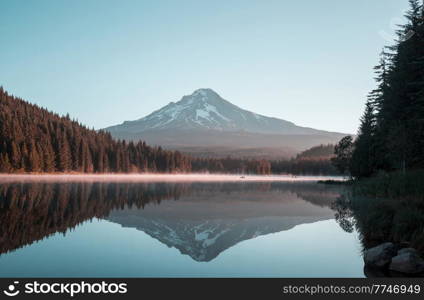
x: 31, y: 211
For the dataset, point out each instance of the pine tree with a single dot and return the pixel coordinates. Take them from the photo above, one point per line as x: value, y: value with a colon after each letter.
x: 64, y: 154
x: 86, y: 159
x: 398, y: 104
x: 399, y: 109
x: 363, y: 159
x: 15, y: 156
x: 48, y: 158
x: 35, y: 163
x: 343, y: 154
x: 5, y: 166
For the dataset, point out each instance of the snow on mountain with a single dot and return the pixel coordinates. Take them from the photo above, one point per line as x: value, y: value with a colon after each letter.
x: 205, y: 109
x: 205, y: 121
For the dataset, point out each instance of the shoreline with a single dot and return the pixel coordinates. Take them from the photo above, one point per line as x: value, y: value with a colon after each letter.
x: 191, y: 177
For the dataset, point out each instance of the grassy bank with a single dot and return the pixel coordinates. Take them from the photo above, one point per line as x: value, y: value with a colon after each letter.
x: 396, y: 185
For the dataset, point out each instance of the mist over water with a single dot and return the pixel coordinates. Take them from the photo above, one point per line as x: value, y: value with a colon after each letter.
x: 154, y: 177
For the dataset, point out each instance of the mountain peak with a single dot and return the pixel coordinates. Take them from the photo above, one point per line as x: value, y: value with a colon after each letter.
x: 203, y: 119
x: 204, y: 92
x: 204, y: 109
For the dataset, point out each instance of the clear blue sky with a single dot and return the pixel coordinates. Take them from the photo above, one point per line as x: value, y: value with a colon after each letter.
x: 104, y: 62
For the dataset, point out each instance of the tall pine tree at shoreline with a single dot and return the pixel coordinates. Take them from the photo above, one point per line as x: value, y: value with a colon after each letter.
x: 391, y: 136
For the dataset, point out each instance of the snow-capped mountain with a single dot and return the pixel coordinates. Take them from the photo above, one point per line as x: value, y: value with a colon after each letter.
x: 205, y: 109
x: 205, y: 119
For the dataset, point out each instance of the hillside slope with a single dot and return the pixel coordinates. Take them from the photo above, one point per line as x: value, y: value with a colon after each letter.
x: 204, y: 119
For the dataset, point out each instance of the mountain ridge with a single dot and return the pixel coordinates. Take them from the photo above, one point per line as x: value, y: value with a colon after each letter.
x: 205, y: 119
x: 205, y: 109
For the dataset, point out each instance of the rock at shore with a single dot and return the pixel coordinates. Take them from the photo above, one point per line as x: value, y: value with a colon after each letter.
x: 407, y: 261
x: 380, y: 256
x: 407, y: 250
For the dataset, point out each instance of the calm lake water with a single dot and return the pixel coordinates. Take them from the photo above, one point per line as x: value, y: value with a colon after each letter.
x: 173, y: 229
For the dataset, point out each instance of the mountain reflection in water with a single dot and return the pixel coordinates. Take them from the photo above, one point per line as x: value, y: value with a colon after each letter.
x: 199, y: 219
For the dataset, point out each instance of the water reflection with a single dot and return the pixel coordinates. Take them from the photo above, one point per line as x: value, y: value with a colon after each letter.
x: 33, y: 211
x: 380, y: 220
x: 199, y: 219
x: 213, y: 217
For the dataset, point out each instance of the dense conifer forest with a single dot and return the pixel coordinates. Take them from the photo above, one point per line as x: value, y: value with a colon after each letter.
x: 391, y: 134
x: 314, y: 161
x: 33, y: 139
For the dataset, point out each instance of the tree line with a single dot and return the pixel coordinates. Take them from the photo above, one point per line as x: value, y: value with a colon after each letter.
x: 33, y: 139
x: 314, y: 161
x: 231, y: 165
x: 391, y: 133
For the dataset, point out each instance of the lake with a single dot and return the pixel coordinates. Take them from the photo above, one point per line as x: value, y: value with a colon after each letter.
x: 124, y: 227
